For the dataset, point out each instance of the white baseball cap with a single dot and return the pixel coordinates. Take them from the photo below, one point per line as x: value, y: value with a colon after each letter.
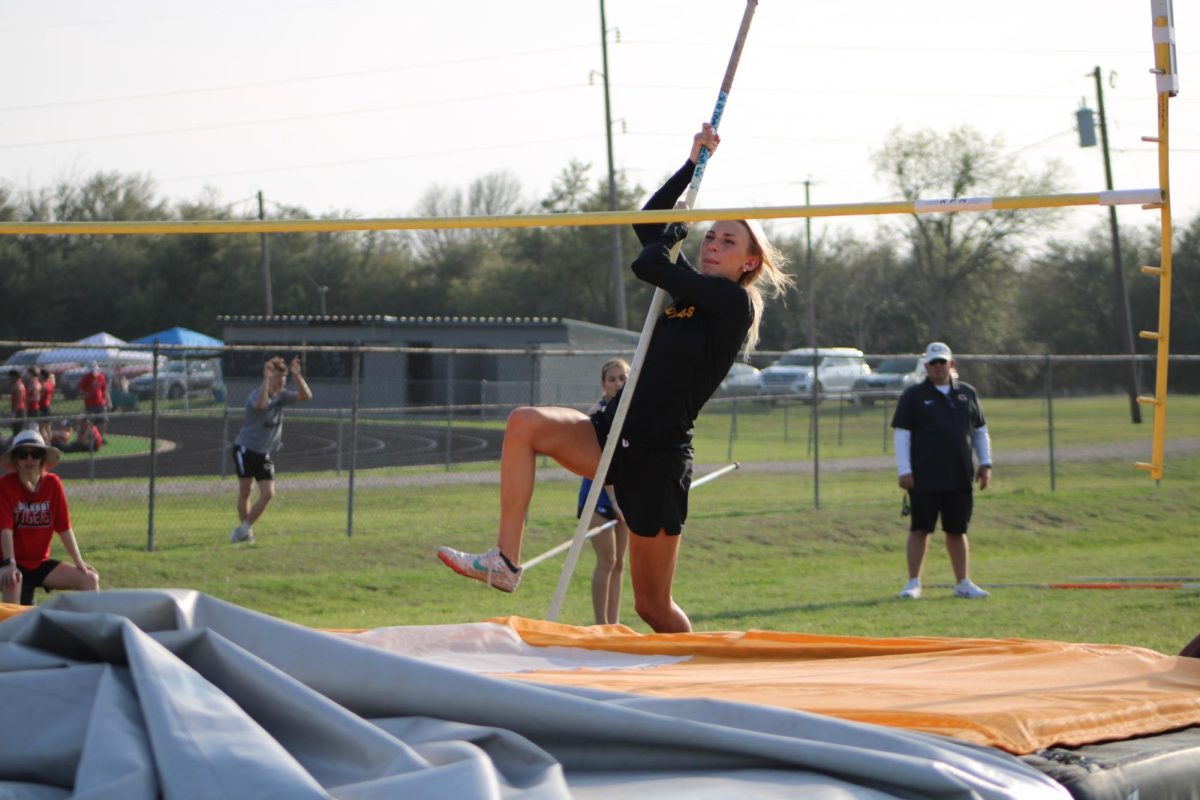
x: 938, y: 350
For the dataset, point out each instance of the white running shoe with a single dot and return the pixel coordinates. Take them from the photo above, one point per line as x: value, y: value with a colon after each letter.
x: 967, y: 588
x: 488, y: 567
x: 912, y: 590
x: 241, y: 533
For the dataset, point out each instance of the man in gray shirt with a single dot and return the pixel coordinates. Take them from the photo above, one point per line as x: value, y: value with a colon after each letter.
x: 261, y: 435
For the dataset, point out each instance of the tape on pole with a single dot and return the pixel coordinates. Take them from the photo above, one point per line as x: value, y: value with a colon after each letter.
x: 1123, y: 197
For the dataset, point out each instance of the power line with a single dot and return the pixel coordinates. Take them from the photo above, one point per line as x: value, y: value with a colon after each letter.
x: 290, y: 8
x: 287, y: 81
x: 846, y: 92
x: 289, y: 118
x: 489, y: 147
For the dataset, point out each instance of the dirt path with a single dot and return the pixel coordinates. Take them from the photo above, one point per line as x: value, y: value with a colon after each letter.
x: 434, y: 477
x: 1139, y: 450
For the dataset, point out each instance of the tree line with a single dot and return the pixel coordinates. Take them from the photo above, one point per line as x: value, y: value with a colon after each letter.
x: 987, y: 282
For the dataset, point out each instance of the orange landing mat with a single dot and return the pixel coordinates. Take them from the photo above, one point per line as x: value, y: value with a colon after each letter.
x: 1019, y: 695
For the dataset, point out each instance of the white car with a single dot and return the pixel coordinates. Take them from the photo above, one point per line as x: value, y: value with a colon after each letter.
x: 34, y: 357
x: 792, y: 375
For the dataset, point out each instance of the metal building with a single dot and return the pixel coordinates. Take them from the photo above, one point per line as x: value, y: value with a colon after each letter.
x: 538, y: 360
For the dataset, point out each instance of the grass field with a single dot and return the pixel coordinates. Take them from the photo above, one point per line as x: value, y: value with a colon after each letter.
x: 756, y: 554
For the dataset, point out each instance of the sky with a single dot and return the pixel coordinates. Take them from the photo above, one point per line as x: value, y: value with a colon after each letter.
x: 359, y: 107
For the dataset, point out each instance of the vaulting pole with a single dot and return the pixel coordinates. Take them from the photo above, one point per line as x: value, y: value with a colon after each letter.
x: 639, y: 355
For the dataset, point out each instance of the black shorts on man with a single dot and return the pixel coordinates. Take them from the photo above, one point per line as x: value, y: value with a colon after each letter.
x: 954, y: 506
x: 253, y: 464
x: 97, y: 414
x: 651, y: 484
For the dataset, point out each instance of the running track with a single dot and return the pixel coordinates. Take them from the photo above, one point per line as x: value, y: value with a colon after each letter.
x: 196, y: 447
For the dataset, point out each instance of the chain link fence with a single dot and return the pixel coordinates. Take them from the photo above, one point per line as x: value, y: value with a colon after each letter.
x: 387, y: 422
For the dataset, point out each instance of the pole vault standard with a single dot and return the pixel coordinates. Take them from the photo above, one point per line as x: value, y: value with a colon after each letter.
x: 1167, y: 84
x: 612, y: 523
x: 639, y: 355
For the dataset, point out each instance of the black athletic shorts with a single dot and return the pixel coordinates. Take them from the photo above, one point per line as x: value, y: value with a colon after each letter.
x: 97, y: 414
x: 651, y: 484
x: 253, y: 464
x: 33, y: 578
x: 953, y: 506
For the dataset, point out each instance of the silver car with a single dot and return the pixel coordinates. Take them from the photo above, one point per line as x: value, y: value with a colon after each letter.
x: 889, y: 379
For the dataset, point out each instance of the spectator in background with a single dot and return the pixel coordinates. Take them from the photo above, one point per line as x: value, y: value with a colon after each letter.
x: 48, y: 386
x: 33, y: 507
x: 610, y: 545
x: 121, y: 396
x: 260, y: 436
x: 60, y: 433
x: 16, y: 400
x: 93, y: 386
x: 88, y: 438
x: 33, y: 397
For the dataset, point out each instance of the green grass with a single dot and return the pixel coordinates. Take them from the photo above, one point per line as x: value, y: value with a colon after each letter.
x: 755, y: 554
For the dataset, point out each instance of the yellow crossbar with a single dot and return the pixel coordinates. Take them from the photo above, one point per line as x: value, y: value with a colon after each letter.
x: 591, y: 218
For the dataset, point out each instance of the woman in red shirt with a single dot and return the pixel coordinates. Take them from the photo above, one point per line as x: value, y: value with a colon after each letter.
x: 16, y: 400
x: 48, y: 385
x: 33, y: 507
x: 33, y: 393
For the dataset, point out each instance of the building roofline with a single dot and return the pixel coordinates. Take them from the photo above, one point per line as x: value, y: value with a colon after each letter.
x: 385, y: 319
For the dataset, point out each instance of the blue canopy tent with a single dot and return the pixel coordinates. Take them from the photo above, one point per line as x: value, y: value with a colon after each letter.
x: 182, y: 336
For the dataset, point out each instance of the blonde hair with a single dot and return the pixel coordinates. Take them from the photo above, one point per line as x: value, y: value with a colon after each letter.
x: 613, y: 362
x: 767, y: 280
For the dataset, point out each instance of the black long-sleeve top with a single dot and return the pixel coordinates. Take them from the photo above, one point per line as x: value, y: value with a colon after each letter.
x: 695, y: 340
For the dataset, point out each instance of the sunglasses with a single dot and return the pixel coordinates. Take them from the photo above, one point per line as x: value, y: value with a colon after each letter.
x: 936, y: 361
x: 26, y: 452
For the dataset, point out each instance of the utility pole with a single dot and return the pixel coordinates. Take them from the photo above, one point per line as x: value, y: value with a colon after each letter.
x: 808, y: 273
x: 266, y: 262
x: 1122, y: 299
x: 618, y: 268
x: 812, y: 342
